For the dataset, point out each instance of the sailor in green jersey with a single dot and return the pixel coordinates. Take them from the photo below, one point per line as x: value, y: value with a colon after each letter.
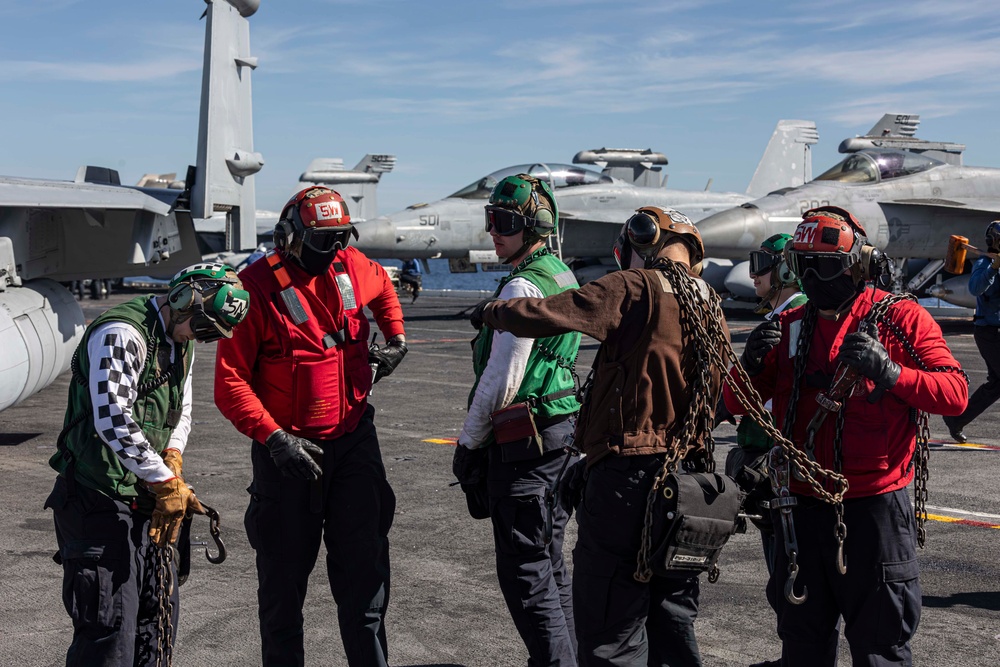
x: 536, y: 377
x: 778, y: 289
x: 120, y: 498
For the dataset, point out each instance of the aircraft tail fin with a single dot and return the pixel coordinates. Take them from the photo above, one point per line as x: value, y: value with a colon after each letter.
x: 895, y: 125
x: 357, y: 186
x: 223, y: 178
x: 895, y: 131
x: 787, y: 160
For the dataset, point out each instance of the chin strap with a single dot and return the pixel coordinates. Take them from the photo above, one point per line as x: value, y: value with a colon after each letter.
x: 764, y: 305
x: 524, y: 247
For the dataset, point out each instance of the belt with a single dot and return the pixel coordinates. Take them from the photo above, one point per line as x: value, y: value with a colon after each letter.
x: 542, y: 424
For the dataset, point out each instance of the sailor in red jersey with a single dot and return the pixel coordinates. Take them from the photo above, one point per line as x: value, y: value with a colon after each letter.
x: 296, y: 382
x: 902, y: 369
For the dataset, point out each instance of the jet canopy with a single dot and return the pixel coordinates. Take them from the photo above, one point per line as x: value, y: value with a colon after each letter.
x: 872, y: 166
x: 557, y: 175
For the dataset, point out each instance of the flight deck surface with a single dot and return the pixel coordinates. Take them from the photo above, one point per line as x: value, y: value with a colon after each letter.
x: 446, y: 609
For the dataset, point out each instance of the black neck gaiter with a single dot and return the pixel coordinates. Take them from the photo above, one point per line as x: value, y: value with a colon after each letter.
x: 833, y: 294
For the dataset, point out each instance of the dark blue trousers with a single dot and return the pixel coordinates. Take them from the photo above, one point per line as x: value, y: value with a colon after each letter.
x: 532, y: 574
x: 109, y: 579
x: 351, y: 510
x: 622, y: 622
x: 879, y: 597
x: 988, y: 343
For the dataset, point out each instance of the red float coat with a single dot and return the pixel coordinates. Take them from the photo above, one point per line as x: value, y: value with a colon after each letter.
x: 878, y: 438
x: 274, y: 373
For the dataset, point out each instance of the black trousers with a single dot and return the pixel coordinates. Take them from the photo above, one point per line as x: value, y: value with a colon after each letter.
x: 988, y: 342
x: 879, y: 597
x: 621, y: 621
x: 109, y: 579
x: 532, y: 574
x: 350, y: 509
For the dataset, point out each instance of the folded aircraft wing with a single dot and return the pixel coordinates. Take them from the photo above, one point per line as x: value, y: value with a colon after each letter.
x: 28, y: 193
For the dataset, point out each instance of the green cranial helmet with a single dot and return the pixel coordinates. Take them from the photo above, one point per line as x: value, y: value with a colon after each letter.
x: 771, y: 259
x: 530, y: 197
x: 212, y: 296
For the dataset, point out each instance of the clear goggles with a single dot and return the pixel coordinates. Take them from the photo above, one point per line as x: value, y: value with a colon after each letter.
x: 822, y: 265
x: 762, y: 262
x: 326, y: 239
x: 505, y: 221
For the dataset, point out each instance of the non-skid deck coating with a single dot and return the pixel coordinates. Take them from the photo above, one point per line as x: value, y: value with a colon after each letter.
x: 446, y: 609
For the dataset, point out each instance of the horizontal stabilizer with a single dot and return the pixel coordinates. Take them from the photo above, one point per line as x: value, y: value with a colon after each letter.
x: 632, y: 165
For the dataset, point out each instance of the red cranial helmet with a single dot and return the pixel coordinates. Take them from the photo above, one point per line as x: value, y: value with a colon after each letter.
x: 826, y: 243
x: 320, y: 215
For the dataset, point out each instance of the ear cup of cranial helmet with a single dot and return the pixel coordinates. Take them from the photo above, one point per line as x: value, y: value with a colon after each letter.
x: 543, y: 216
x: 179, y: 298
x: 785, y: 274
x: 282, y: 234
x: 870, y: 256
x: 643, y: 231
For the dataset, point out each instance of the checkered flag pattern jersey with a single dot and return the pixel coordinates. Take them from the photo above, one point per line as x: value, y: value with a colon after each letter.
x: 117, y: 355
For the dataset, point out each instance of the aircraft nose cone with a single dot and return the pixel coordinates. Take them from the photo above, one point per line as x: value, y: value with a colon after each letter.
x: 733, y: 233
x: 376, y: 237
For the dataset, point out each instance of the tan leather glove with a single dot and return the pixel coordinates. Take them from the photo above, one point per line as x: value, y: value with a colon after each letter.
x: 172, y: 459
x: 174, y: 499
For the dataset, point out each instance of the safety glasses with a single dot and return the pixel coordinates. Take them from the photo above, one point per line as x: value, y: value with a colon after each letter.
x: 326, y: 239
x: 824, y: 266
x: 505, y: 221
x: 762, y: 262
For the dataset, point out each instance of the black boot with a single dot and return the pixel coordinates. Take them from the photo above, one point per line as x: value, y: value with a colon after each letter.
x: 955, y: 429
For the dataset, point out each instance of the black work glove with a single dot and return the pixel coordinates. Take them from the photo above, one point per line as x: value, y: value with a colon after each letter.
x: 469, y: 465
x: 866, y: 355
x: 387, y: 358
x: 572, y: 484
x: 722, y: 413
x: 295, y: 457
x: 760, y: 341
x: 476, y: 316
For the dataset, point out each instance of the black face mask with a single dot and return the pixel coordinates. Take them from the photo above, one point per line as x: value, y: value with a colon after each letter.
x: 315, y: 263
x: 830, y: 294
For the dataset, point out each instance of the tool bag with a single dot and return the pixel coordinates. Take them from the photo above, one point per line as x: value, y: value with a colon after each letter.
x: 693, y: 516
x: 517, y: 434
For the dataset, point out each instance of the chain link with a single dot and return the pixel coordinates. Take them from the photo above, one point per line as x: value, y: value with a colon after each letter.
x: 922, y: 451
x: 164, y: 557
x: 701, y: 334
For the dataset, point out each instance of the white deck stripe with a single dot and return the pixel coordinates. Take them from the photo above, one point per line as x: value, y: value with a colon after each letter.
x: 950, y: 510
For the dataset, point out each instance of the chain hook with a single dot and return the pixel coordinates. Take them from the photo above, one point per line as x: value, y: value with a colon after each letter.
x: 213, y: 528
x: 793, y: 572
x: 841, y: 536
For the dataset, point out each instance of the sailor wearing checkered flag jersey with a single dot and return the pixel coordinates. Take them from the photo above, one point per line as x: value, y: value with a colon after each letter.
x: 120, y: 497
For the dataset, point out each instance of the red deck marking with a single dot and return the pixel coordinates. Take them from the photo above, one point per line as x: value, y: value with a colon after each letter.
x: 964, y: 522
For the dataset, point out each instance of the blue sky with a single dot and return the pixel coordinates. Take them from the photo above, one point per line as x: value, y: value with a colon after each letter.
x: 458, y: 89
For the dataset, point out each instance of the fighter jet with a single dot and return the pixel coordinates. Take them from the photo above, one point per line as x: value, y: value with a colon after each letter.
x: 592, y: 204
x: 910, y: 194
x: 357, y: 186
x: 95, y: 227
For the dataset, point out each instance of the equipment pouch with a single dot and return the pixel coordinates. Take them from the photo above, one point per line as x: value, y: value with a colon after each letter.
x: 694, y: 515
x: 516, y: 434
